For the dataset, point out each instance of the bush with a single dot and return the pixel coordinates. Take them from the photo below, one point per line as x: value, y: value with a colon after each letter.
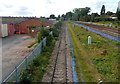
x: 32, y: 26
x: 41, y: 34
x: 39, y: 37
x: 55, y: 29
x: 49, y: 40
x: 26, y: 78
x: 55, y: 33
x: 36, y: 62
x: 37, y: 68
x: 58, y: 25
x: 44, y: 32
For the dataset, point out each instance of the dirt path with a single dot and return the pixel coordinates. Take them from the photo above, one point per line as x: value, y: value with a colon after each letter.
x: 60, y: 69
x: 14, y: 49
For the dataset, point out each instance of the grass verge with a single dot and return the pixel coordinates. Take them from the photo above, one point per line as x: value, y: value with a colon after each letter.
x: 96, y: 61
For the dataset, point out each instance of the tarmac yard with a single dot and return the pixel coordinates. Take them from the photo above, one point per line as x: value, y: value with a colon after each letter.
x: 14, y: 49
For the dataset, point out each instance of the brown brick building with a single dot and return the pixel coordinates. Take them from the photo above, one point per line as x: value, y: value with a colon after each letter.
x: 24, y: 26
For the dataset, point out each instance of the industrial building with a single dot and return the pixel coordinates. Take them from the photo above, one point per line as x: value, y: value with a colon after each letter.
x: 11, y: 25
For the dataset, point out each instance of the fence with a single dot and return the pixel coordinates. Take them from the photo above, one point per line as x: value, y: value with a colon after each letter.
x: 14, y: 76
x: 103, y: 34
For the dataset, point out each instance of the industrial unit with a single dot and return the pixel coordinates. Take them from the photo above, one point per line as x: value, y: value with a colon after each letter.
x: 11, y: 25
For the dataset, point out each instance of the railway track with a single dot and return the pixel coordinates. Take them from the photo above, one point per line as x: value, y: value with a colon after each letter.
x: 110, y: 31
x: 60, y: 67
x: 59, y: 70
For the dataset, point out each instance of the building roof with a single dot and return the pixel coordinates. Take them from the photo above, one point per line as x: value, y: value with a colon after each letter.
x: 17, y: 20
x: 113, y: 15
x: 13, y: 20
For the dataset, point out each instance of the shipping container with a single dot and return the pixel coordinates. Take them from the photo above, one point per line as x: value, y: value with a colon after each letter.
x: 11, y: 29
x: 4, y: 30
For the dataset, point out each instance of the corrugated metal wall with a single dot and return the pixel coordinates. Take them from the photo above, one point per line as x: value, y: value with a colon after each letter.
x: 24, y: 25
x: 4, y: 30
x: 11, y: 29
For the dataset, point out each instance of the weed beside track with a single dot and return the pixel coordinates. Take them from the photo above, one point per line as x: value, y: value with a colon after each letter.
x: 99, y: 61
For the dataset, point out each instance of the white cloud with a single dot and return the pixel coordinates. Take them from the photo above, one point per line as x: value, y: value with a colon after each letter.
x: 47, y: 7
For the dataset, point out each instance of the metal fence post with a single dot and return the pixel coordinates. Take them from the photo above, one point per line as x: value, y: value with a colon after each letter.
x: 33, y: 55
x: 26, y: 63
x: 44, y: 41
x: 16, y: 75
x: 40, y: 46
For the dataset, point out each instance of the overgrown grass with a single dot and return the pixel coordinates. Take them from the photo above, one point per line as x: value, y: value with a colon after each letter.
x: 102, y: 53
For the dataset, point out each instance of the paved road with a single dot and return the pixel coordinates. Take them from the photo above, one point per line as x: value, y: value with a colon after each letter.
x: 14, y: 49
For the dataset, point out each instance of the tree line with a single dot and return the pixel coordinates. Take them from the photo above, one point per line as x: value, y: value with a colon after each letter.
x: 82, y: 14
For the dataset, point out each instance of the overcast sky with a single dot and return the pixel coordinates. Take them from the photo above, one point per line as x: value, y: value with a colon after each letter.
x: 47, y: 7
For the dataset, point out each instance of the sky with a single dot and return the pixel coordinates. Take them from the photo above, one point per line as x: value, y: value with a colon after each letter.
x: 47, y: 7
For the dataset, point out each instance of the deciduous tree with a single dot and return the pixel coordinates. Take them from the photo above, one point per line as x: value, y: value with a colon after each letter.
x: 52, y: 16
x: 109, y: 13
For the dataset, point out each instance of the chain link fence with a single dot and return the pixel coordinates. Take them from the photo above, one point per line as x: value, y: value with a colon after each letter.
x: 14, y: 76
